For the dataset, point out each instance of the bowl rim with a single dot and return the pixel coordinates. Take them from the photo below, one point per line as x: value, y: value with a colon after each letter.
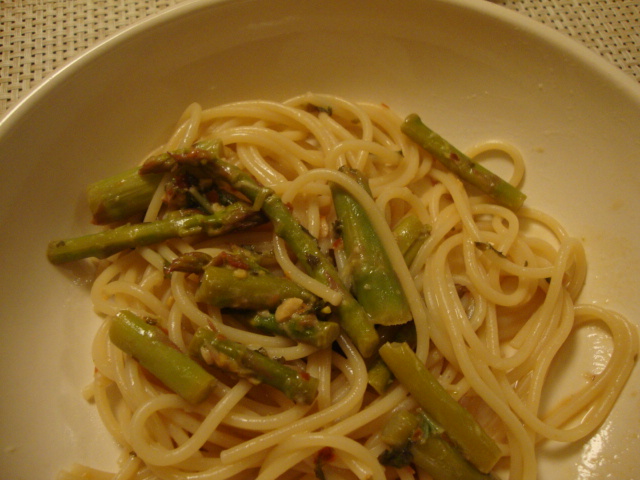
x: 553, y: 39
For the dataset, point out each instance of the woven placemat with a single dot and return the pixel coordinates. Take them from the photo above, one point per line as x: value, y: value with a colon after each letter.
x: 611, y: 28
x: 39, y: 36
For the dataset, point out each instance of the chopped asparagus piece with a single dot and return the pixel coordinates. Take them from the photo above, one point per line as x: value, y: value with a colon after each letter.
x: 237, y: 258
x: 460, y: 164
x: 300, y: 326
x: 255, y: 261
x: 410, y: 233
x: 244, y: 284
x: 198, y: 154
x: 476, y: 445
x: 190, y: 262
x: 236, y: 358
x: 380, y: 377
x: 121, y: 196
x: 104, y: 244
x: 401, y: 428
x: 416, y: 438
x: 375, y: 283
x: 353, y: 319
x: 238, y: 288
x: 151, y: 347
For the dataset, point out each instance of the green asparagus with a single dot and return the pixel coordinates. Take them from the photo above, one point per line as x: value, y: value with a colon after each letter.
x: 190, y: 262
x: 237, y: 288
x: 410, y: 233
x: 236, y: 258
x: 379, y: 375
x: 476, y: 445
x: 213, y: 349
x: 122, y: 196
x: 300, y: 326
x: 460, y: 164
x: 416, y: 438
x: 238, y: 280
x: 199, y: 153
x: 353, y: 318
x: 151, y: 347
x: 375, y: 283
x: 254, y: 260
x: 105, y: 243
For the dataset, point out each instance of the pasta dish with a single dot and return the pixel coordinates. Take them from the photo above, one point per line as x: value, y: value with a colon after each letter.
x: 323, y: 289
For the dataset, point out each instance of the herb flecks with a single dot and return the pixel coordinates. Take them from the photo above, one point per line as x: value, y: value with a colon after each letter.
x: 486, y: 246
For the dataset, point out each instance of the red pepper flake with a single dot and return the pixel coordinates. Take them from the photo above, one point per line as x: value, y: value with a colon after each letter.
x: 326, y: 454
x: 236, y: 262
x: 224, y: 258
x: 417, y: 435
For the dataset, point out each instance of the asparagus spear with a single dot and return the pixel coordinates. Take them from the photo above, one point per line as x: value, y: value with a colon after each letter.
x: 238, y: 288
x: 151, y: 347
x: 237, y: 258
x: 460, y: 164
x: 190, y: 262
x: 417, y: 438
x: 461, y: 427
x: 213, y: 349
x: 121, y: 196
x: 410, y: 233
x: 375, y: 283
x: 256, y: 261
x: 106, y: 243
x: 379, y: 375
x: 301, y: 326
x: 251, y: 286
x: 199, y: 153
x: 353, y: 319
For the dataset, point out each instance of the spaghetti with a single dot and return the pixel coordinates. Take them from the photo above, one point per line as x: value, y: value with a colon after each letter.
x: 492, y: 306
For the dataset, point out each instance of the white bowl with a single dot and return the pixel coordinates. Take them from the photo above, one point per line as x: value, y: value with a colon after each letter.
x: 473, y: 70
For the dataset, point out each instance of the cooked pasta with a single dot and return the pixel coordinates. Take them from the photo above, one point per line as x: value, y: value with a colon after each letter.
x: 492, y: 304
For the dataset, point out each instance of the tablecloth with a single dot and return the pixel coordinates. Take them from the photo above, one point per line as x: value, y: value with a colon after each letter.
x: 39, y: 36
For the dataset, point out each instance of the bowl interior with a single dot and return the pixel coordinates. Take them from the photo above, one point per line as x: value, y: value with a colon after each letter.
x: 473, y: 70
